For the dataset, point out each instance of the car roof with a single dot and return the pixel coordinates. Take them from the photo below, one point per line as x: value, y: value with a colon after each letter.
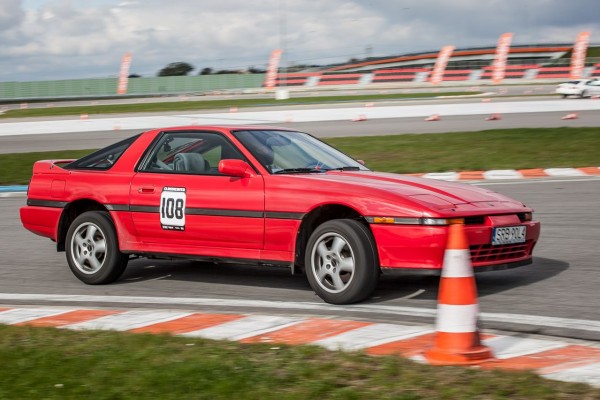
x: 225, y: 128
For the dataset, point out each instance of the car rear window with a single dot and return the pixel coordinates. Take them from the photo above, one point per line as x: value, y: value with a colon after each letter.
x: 103, y: 159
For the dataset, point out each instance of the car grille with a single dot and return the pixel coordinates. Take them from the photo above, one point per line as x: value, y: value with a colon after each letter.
x: 486, y: 253
x: 478, y: 220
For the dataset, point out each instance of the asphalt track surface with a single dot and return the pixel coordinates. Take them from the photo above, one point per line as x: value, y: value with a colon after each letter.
x: 556, y: 295
x: 561, y: 284
x: 19, y: 142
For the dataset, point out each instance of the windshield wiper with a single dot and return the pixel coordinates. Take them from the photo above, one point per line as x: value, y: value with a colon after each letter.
x: 345, y: 168
x: 298, y: 170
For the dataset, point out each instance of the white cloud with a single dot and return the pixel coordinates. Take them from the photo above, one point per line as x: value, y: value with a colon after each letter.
x: 48, y: 39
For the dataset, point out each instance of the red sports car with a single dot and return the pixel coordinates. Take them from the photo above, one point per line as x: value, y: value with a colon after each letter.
x: 267, y: 196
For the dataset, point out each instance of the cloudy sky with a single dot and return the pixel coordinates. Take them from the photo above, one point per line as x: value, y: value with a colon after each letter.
x: 64, y: 39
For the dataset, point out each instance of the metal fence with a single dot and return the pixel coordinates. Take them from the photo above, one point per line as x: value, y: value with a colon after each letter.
x: 155, y: 86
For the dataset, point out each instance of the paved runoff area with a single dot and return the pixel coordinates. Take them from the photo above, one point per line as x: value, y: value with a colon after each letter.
x: 86, y: 123
x: 549, y: 357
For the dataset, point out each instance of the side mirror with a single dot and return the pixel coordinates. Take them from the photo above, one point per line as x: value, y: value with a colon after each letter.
x: 238, y: 168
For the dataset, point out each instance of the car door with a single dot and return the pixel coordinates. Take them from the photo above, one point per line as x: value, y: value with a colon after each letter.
x: 181, y: 204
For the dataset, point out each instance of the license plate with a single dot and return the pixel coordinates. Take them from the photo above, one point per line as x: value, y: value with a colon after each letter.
x: 509, y: 234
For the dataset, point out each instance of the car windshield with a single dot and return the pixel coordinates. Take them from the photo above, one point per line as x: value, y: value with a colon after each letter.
x: 283, y: 152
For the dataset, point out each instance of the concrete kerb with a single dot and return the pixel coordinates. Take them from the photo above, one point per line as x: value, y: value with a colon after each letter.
x: 13, y: 189
x: 550, y: 357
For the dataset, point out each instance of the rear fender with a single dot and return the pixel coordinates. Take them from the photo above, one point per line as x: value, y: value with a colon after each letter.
x: 70, y: 212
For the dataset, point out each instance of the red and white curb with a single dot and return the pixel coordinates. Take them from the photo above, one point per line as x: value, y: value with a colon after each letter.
x: 549, y: 357
x: 500, y: 174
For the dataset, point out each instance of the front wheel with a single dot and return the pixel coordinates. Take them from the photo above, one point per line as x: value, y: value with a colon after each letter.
x: 92, y: 249
x: 341, y: 262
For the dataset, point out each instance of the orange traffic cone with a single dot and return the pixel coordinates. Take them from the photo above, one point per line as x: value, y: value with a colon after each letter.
x: 570, y: 116
x: 457, y: 340
x: 494, y: 117
x: 434, y: 117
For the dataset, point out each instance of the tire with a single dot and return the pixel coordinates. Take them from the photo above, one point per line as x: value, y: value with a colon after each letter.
x: 93, y: 250
x: 341, y: 262
x: 564, y: 96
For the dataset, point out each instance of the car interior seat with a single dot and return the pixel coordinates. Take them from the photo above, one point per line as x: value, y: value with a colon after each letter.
x: 190, y: 162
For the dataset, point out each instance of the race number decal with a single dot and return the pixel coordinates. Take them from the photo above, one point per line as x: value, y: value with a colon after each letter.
x: 172, y: 208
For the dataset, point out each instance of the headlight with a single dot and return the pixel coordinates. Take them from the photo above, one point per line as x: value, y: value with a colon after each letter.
x: 393, y: 220
x: 442, y: 221
x: 415, y: 221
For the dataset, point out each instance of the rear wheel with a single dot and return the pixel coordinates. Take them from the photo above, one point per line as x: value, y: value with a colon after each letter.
x: 341, y: 262
x: 92, y: 249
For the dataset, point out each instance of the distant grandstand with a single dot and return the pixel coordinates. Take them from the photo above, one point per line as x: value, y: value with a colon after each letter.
x: 530, y: 61
x: 469, y: 58
x: 534, y: 62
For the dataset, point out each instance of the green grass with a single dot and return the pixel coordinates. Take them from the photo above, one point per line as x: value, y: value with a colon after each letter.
x: 462, y: 151
x: 484, y: 150
x: 56, y: 364
x: 209, y: 104
x: 16, y: 169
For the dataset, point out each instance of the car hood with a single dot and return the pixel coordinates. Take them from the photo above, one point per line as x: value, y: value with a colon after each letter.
x: 429, y: 193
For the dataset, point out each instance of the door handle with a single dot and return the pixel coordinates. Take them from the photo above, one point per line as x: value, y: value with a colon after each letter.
x: 146, y: 190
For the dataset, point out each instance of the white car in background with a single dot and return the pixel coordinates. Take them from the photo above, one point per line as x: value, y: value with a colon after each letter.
x: 580, y: 88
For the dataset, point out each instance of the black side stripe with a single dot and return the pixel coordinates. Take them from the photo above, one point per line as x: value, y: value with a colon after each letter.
x: 284, y: 215
x: 224, y: 213
x: 117, y: 207
x: 188, y: 210
x: 145, y: 209
x: 46, y: 203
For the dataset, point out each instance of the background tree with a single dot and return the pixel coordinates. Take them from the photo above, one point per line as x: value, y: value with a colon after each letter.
x: 253, y: 70
x: 206, y: 71
x: 176, y: 69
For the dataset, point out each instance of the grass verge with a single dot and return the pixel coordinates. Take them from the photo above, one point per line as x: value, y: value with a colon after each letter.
x: 209, y: 104
x: 16, y: 169
x: 483, y: 150
x: 462, y: 151
x: 59, y: 364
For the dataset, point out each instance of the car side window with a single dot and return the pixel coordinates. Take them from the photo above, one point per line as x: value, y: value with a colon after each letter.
x: 102, y: 159
x: 197, y: 153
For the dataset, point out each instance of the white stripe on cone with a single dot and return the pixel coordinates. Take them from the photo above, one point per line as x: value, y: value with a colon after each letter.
x: 457, y: 319
x: 457, y: 264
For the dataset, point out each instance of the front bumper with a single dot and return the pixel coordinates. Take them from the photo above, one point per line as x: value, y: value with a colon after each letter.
x: 422, y: 247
